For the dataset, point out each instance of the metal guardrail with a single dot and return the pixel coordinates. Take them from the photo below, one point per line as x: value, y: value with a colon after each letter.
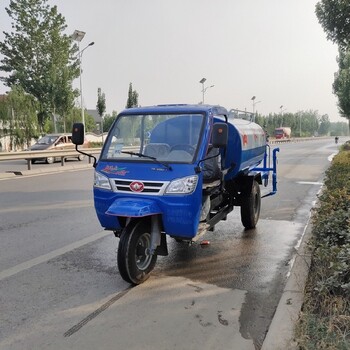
x: 63, y: 154
x: 295, y: 139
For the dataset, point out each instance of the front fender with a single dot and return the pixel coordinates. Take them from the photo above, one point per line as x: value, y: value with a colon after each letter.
x: 137, y: 207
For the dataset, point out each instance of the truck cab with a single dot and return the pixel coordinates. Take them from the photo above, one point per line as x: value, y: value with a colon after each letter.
x: 153, y: 154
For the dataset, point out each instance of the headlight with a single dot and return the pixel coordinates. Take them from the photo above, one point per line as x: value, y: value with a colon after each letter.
x: 185, y: 185
x: 101, y: 181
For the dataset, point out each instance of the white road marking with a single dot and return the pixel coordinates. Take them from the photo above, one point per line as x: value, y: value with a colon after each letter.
x: 309, y: 183
x: 46, y: 257
x: 330, y: 158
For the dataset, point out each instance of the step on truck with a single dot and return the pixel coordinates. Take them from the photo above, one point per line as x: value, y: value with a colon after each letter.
x: 176, y: 171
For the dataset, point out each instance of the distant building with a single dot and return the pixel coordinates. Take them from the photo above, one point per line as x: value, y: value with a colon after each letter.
x: 97, y: 118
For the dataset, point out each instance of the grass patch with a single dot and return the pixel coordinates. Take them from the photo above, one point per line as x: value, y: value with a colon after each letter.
x: 324, y: 322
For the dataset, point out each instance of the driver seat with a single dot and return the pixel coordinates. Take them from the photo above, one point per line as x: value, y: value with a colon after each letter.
x: 212, y: 173
x: 157, y: 150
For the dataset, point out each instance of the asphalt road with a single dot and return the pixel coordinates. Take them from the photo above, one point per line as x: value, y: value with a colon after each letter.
x: 60, y: 288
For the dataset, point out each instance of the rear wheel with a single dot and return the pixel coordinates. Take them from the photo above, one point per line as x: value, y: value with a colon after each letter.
x: 250, y: 207
x: 49, y: 160
x: 134, y: 264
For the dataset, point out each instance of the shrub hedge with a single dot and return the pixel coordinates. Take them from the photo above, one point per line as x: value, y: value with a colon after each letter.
x: 325, y: 318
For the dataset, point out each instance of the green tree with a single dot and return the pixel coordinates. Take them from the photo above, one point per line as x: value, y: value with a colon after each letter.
x: 302, y: 123
x: 64, y: 96
x: 339, y: 129
x: 22, y: 122
x: 4, y: 115
x: 101, y: 102
x: 308, y: 123
x: 90, y: 123
x: 39, y: 57
x: 101, y: 107
x: 325, y: 125
x: 341, y: 85
x: 334, y: 16
x: 74, y: 116
x: 133, y: 98
x: 108, y: 120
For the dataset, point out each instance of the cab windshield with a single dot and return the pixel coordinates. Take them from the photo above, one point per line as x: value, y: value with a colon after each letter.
x: 165, y: 138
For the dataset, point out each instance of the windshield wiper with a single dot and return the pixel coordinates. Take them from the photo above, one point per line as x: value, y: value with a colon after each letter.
x: 149, y: 157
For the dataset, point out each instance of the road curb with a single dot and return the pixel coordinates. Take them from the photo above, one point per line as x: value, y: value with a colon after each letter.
x: 7, y: 175
x: 280, y: 335
x: 55, y: 169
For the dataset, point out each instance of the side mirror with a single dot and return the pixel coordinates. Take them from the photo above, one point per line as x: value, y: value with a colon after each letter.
x: 220, y: 135
x: 78, y: 133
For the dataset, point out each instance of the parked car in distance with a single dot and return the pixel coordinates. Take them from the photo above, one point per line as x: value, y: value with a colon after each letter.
x: 54, y: 142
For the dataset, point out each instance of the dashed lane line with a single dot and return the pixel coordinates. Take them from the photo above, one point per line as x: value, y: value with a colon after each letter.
x: 55, y: 253
x: 310, y: 183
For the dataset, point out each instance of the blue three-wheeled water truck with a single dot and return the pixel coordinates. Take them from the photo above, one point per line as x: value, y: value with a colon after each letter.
x: 176, y: 170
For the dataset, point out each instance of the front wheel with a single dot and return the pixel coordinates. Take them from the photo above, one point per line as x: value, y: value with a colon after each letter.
x: 250, y: 207
x: 134, y: 264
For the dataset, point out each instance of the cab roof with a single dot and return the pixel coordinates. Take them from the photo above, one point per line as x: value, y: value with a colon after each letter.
x: 177, y: 108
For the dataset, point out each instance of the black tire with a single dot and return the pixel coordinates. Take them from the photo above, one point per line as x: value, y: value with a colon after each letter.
x: 250, y: 208
x: 133, y: 263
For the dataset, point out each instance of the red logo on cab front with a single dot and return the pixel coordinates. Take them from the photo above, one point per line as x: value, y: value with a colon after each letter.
x: 137, y: 186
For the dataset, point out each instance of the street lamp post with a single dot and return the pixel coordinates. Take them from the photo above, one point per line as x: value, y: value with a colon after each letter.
x: 202, y: 81
x: 282, y: 110
x: 254, y: 103
x: 78, y: 36
x: 81, y: 85
x: 253, y: 99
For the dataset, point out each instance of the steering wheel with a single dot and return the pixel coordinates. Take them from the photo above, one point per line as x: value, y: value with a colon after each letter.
x: 187, y: 148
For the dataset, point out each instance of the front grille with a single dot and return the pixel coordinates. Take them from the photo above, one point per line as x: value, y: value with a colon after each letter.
x: 150, y: 187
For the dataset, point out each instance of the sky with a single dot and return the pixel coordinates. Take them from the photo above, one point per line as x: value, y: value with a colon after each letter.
x: 272, y: 49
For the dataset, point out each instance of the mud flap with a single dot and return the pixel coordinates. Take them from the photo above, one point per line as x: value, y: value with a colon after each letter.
x: 158, y: 239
